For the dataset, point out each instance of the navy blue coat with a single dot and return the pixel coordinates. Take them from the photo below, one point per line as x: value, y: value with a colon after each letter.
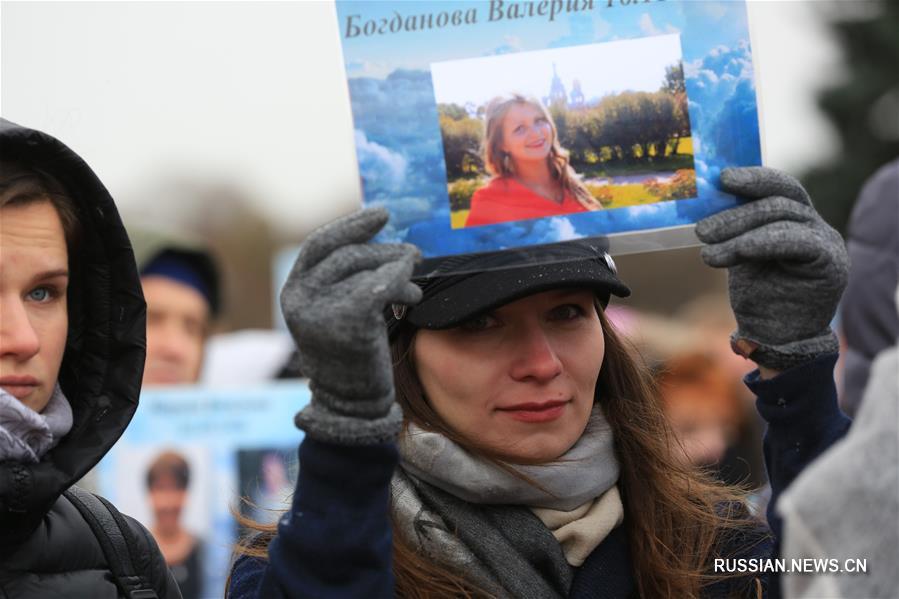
x: 336, y: 539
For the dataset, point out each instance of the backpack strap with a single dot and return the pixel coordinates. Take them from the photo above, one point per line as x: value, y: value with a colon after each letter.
x: 117, y: 541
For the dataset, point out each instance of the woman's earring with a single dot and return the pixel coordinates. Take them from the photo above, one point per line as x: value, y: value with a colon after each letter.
x: 507, y: 166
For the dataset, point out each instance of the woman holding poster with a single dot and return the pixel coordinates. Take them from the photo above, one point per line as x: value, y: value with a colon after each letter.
x: 531, y: 174
x: 498, y: 438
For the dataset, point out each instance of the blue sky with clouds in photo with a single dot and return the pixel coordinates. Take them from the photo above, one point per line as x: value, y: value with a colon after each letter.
x: 398, y: 139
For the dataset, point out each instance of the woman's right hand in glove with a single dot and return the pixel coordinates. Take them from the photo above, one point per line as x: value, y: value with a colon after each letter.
x: 333, y: 303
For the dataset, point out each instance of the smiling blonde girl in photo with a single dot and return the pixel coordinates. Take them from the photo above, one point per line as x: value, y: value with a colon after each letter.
x: 531, y: 174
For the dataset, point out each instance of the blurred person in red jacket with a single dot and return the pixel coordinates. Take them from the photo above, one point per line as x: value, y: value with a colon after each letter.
x: 703, y: 405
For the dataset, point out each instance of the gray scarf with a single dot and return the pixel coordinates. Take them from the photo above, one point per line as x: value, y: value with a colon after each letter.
x: 26, y: 435
x: 585, y: 472
x: 473, y: 516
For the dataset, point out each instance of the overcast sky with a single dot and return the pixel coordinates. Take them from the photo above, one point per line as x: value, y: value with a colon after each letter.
x: 255, y: 94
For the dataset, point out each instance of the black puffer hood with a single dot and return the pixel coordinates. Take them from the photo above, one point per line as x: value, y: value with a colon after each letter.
x: 104, y: 358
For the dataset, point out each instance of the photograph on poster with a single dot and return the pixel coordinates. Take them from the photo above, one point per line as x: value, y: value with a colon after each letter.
x: 266, y: 477
x: 565, y: 130
x: 650, y: 101
x: 192, y: 456
x: 168, y: 489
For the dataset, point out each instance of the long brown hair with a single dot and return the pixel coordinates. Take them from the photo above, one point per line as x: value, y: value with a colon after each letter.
x: 499, y: 163
x: 676, y: 516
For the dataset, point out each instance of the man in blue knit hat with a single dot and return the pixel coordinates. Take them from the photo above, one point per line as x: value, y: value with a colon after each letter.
x: 181, y: 287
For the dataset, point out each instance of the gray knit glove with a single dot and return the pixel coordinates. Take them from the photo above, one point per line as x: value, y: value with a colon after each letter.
x: 333, y: 303
x: 787, y: 268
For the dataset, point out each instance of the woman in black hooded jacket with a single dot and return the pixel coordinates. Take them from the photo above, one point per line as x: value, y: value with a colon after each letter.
x: 51, y: 435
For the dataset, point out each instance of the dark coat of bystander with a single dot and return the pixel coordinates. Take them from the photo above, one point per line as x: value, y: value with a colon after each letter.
x: 47, y: 548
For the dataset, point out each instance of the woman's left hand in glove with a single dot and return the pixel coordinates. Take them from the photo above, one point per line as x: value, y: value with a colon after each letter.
x: 787, y: 268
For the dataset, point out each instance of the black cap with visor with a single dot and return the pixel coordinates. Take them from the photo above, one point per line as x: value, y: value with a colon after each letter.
x: 457, y: 288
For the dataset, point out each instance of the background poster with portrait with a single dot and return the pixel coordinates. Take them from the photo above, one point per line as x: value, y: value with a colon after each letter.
x: 239, y: 449
x: 649, y: 99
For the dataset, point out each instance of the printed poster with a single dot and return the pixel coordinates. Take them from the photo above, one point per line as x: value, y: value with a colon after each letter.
x: 634, y: 106
x: 191, y: 455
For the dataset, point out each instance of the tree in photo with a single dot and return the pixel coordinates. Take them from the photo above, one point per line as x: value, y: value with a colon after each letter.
x: 675, y: 86
x: 462, y: 136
